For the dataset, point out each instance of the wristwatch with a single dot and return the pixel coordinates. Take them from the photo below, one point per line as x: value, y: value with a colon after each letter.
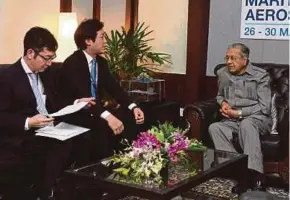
x: 240, y: 114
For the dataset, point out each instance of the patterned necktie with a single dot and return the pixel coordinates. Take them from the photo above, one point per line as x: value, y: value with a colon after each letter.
x: 94, y: 78
x: 40, y: 103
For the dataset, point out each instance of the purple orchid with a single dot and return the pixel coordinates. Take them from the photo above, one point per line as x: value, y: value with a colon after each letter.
x: 180, y: 143
x: 148, y: 140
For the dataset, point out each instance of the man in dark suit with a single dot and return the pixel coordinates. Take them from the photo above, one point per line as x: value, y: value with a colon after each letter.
x: 83, y: 76
x: 27, y: 95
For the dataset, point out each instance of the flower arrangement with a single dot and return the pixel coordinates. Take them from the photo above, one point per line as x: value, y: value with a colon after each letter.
x: 153, y: 150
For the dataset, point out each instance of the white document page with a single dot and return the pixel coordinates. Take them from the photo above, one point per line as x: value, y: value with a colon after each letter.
x: 69, y: 109
x: 62, y: 131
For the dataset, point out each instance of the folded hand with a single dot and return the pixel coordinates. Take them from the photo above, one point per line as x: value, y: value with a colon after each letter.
x: 225, y: 107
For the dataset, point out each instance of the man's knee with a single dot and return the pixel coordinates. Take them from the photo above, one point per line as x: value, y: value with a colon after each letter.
x: 213, y: 129
x: 248, y: 127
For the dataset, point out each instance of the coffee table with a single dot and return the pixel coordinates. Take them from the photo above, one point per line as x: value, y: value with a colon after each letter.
x: 211, y: 163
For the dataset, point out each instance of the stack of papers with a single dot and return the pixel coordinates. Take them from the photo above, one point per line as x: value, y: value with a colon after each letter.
x: 62, y: 131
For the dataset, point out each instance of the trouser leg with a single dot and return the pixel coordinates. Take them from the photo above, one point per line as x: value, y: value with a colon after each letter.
x: 249, y: 138
x: 55, y: 161
x: 80, y: 155
x: 100, y: 141
x: 222, y: 135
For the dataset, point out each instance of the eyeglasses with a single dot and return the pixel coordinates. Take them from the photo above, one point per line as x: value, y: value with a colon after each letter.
x: 47, y: 59
x: 232, y: 58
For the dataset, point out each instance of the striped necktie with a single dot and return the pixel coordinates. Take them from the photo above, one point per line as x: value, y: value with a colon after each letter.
x: 94, y: 78
x: 39, y: 100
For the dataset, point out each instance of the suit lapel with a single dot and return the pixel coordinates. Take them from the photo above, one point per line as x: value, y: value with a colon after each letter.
x: 23, y: 82
x: 84, y: 67
x: 84, y: 74
x: 26, y: 89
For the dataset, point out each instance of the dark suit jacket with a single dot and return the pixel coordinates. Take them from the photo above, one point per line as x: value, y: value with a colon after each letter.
x: 75, y: 83
x: 17, y: 100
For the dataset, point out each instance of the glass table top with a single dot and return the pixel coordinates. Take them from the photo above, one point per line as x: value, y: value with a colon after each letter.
x: 200, y: 163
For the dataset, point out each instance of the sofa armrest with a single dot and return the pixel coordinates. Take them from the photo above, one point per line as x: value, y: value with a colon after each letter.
x: 283, y: 130
x: 200, y: 115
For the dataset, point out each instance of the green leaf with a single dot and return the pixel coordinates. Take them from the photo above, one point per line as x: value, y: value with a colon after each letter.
x: 124, y: 50
x: 195, y: 147
x: 160, y: 136
x: 122, y: 170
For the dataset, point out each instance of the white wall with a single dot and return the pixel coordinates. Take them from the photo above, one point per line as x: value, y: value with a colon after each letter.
x: 224, y: 29
x: 83, y: 8
x: 17, y: 17
x: 168, y: 19
x: 113, y: 14
x: 170, y: 30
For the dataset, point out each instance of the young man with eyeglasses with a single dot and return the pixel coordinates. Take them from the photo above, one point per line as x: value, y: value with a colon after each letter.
x: 27, y: 95
x: 244, y: 96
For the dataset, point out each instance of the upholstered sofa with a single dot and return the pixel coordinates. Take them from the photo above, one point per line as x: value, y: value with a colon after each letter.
x: 274, y: 146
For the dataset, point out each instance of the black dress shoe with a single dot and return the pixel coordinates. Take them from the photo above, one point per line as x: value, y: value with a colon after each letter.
x: 238, y: 189
x: 259, y: 186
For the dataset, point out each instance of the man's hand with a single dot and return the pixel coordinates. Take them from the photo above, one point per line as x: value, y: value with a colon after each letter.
x: 91, y: 101
x: 227, y: 112
x: 225, y: 107
x: 115, y: 124
x: 39, y: 121
x: 233, y: 113
x: 139, y: 115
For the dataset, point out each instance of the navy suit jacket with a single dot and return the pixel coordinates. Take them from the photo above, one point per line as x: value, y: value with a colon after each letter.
x: 17, y: 100
x: 75, y: 83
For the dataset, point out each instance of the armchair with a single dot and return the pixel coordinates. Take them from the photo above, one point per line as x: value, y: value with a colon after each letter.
x: 274, y: 146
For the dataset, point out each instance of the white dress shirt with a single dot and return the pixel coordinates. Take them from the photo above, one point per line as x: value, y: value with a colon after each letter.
x: 39, y: 84
x: 106, y: 113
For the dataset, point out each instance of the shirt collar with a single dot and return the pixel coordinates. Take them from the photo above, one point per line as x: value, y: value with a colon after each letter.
x: 249, y: 69
x: 88, y: 57
x: 25, y: 66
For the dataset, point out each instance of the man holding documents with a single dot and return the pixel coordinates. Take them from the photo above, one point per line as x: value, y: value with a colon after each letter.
x: 27, y: 96
x: 83, y: 77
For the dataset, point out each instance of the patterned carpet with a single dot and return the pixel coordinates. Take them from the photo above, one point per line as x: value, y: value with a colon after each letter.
x: 219, y: 189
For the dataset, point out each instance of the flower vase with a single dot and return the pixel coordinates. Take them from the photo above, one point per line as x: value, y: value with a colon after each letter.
x: 164, y: 173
